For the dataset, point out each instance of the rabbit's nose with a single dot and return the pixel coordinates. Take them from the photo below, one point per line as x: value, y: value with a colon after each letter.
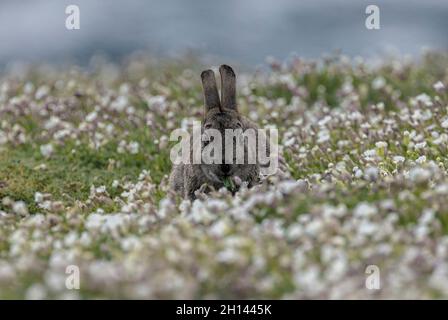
x: 225, y: 168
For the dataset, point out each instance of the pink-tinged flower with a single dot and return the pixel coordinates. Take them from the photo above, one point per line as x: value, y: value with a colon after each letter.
x: 439, y: 86
x: 46, y: 150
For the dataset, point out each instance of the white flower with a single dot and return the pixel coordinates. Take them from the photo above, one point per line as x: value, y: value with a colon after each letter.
x: 38, y: 197
x: 332, y: 211
x: 42, y: 92
x: 3, y: 138
x: 289, y: 142
x: 158, y: 102
x: 398, y: 159
x: 439, y: 86
x: 52, y: 123
x: 219, y: 228
x: 421, y: 159
x: 91, y: 116
x: 421, y: 232
x: 20, y: 208
x: 200, y: 213
x: 309, y: 279
x: 364, y: 209
x: 130, y: 243
x: 441, y: 188
x: 381, y: 144
x: 358, y: 173
x: 100, y: 190
x: 371, y: 173
x: 228, y: 255
x: 85, y: 239
x: 419, y: 174
x: 314, y: 227
x: 216, y: 205
x: 445, y: 123
x: 287, y: 79
x: 36, y: 292
x: 133, y: 147
x: 367, y: 228
x: 7, y: 272
x: 46, y: 150
x: 119, y: 104
x: 71, y: 238
x: 55, y: 280
x: 294, y: 231
x: 121, y: 148
x: 427, y: 217
x: 94, y: 221
x: 370, y: 154
x: 165, y: 207
x: 442, y: 139
x: 378, y: 83
x: 28, y: 88
x: 424, y: 99
x: 323, y: 136
x: 439, y: 278
x: 337, y: 268
x: 324, y: 121
x: 420, y: 145
x: 288, y: 186
x: 115, y: 223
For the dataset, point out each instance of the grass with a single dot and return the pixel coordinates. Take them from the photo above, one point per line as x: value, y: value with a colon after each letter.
x: 303, y: 237
x: 69, y: 174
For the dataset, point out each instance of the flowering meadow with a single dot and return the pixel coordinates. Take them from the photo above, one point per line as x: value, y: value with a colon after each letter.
x: 84, y: 165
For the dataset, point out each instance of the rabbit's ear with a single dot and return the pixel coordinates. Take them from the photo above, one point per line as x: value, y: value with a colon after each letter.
x: 211, y: 96
x: 228, y: 87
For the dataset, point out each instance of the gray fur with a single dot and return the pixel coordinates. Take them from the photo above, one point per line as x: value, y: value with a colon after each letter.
x: 222, y: 114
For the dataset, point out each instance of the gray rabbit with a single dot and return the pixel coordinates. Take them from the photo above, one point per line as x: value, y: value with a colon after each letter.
x: 220, y: 114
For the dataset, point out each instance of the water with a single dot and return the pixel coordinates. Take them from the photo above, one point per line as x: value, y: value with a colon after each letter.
x: 244, y: 32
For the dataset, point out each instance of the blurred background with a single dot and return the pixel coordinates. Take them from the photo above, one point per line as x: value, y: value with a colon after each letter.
x: 244, y: 32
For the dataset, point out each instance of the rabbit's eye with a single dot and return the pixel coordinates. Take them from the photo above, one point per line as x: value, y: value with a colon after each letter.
x: 207, y: 126
x: 239, y: 125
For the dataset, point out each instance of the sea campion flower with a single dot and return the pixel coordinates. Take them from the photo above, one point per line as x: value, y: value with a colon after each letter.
x: 366, y: 183
x: 46, y: 150
x: 424, y: 99
x: 439, y: 86
x: 20, y: 208
x: 398, y: 159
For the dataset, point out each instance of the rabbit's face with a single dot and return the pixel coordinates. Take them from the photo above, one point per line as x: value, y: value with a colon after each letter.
x: 229, y: 120
x: 222, y: 115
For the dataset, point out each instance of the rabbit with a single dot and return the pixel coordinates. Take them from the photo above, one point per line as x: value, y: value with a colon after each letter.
x: 219, y: 114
